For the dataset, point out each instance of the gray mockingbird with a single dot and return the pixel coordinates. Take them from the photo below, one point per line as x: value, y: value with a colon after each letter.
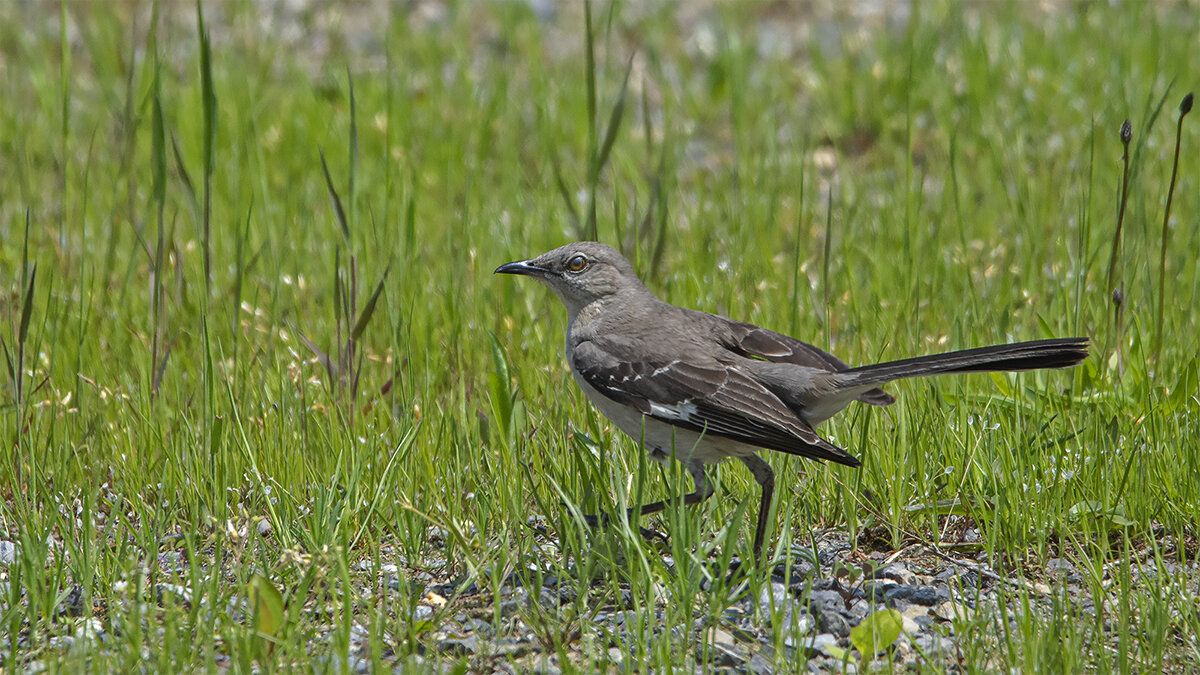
x: 704, y: 388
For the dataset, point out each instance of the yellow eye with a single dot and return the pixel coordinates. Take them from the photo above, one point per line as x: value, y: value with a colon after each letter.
x: 577, y: 263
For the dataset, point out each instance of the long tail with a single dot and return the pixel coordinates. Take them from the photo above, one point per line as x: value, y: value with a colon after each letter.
x: 1056, y: 353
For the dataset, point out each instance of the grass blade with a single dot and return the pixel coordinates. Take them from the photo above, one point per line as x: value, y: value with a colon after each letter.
x: 27, y: 307
x: 184, y: 176
x: 614, y: 122
x: 364, y: 318
x: 209, y: 109
x: 1185, y: 106
x: 568, y: 200
x: 353, y: 141
x: 337, y: 201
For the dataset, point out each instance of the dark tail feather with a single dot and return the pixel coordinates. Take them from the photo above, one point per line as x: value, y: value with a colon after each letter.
x: 1057, y: 353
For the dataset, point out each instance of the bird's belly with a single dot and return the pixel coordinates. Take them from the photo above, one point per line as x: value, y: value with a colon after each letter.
x: 661, y: 439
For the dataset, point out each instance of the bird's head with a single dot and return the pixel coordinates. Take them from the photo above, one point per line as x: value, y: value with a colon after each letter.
x: 580, y: 274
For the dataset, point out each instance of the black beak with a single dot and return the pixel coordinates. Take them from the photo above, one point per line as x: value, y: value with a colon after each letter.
x: 521, y: 267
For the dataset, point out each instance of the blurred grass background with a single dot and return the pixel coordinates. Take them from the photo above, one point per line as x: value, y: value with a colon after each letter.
x: 194, y: 350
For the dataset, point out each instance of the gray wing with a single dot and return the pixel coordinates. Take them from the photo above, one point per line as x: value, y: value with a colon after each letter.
x: 755, y: 342
x: 707, y: 398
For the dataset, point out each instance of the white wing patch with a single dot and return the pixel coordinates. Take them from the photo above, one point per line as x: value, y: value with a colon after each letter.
x: 656, y: 372
x: 660, y: 371
x: 682, y: 411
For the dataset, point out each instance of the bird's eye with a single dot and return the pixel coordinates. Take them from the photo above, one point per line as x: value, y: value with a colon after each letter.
x: 577, y: 263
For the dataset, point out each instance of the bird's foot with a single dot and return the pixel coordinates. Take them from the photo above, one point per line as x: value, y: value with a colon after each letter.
x: 604, y: 520
x: 653, y: 535
x: 595, y: 521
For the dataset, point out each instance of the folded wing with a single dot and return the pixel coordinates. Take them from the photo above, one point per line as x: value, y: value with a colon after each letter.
x: 710, y: 398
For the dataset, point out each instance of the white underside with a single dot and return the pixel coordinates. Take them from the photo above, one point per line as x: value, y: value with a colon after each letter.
x: 663, y: 439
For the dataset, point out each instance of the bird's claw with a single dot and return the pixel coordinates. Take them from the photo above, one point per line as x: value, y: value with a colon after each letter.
x: 652, y: 535
x: 603, y: 520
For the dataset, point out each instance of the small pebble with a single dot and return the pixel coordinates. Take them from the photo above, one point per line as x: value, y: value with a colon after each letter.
x: 820, y: 644
x: 897, y: 572
x: 7, y: 551
x: 833, y: 623
x: 461, y: 646
x: 917, y: 595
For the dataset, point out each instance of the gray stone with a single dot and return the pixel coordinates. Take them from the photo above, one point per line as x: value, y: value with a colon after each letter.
x: 413, y: 663
x: 903, y: 652
x: 630, y: 627
x: 950, y: 610
x: 8, y: 552
x: 548, y: 598
x: 513, y: 648
x: 833, y: 623
x: 897, y: 572
x: 460, y: 646
x: 877, y: 589
x: 726, y: 653
x: 820, y: 644
x: 858, y: 610
x: 911, y: 616
x: 759, y: 665
x: 796, y: 623
x: 829, y: 584
x: 917, y: 595
x: 518, y: 601
x: 804, y: 567
x: 540, y: 665
x: 422, y: 613
x: 935, y: 647
x: 625, y: 618
x: 354, y: 664
x: 479, y: 626
x: 504, y: 668
x: 775, y: 595
x: 826, y: 666
x: 968, y: 578
x: 826, y: 600
x: 1060, y: 568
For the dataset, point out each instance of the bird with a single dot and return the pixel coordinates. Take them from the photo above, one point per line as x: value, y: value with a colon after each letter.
x: 703, y: 388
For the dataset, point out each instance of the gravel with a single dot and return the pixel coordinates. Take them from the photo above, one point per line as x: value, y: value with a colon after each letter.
x: 809, y: 615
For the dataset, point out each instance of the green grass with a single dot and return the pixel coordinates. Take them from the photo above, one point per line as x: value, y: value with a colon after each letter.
x: 885, y: 191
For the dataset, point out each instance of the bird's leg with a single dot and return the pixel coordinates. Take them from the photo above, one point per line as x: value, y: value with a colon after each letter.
x: 703, y: 489
x: 765, y: 477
